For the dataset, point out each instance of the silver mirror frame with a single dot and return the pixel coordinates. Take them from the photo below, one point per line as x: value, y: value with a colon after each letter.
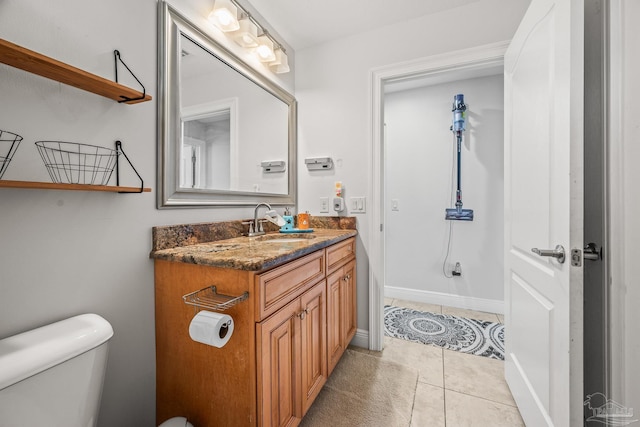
x: 170, y: 24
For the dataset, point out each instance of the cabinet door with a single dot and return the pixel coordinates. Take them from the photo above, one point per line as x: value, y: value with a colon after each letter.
x: 335, y: 329
x: 349, y: 302
x: 314, y: 342
x: 341, y: 311
x: 279, y: 402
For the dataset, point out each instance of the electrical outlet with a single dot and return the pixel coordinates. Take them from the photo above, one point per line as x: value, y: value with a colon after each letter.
x: 457, y: 270
x: 324, y: 205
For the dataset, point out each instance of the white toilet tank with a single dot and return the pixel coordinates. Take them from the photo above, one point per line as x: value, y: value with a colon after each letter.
x: 52, y: 376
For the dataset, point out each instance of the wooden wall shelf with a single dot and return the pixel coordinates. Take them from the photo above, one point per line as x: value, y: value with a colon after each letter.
x: 73, y: 187
x: 36, y: 63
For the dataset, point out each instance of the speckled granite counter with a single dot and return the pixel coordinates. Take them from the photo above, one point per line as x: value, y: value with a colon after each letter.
x: 222, y: 244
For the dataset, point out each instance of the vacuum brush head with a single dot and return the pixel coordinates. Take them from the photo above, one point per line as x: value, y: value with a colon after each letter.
x: 459, y: 214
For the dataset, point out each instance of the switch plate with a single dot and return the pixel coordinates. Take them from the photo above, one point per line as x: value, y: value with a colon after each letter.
x: 324, y: 205
x: 394, y: 205
x: 357, y: 204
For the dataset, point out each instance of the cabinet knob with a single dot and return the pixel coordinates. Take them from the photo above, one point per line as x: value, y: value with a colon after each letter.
x: 303, y: 314
x: 347, y: 277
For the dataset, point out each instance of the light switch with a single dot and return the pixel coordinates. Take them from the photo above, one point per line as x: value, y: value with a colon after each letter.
x: 394, y: 205
x: 357, y: 204
x: 324, y: 205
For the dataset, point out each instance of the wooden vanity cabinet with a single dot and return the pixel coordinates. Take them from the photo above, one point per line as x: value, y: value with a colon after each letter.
x: 341, y: 299
x: 292, y: 354
x: 341, y: 312
x: 288, y: 336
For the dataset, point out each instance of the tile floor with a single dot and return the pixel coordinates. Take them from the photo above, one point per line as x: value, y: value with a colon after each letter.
x: 454, y: 389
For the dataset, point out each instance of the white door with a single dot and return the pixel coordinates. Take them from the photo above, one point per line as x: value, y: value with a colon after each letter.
x: 543, y: 209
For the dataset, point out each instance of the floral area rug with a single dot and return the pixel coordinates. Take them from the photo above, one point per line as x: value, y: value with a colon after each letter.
x: 451, y: 332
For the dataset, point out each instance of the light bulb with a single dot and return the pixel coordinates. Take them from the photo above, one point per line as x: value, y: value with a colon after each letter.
x: 225, y: 15
x: 265, y: 49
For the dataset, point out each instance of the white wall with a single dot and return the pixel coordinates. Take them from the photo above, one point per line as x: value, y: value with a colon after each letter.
x: 63, y: 253
x: 420, y: 159
x: 624, y: 175
x: 334, y: 91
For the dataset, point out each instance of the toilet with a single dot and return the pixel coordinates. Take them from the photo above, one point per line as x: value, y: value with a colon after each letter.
x: 176, y: 422
x: 53, y: 375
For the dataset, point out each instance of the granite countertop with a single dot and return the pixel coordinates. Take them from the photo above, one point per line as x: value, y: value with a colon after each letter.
x: 242, y: 252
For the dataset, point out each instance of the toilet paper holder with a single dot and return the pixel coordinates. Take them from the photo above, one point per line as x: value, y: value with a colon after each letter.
x: 209, y: 298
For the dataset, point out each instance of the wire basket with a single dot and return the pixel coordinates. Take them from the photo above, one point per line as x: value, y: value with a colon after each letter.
x: 9, y: 143
x: 74, y: 163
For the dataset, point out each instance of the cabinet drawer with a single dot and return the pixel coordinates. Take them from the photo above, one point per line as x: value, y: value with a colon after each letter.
x: 277, y: 287
x: 340, y: 253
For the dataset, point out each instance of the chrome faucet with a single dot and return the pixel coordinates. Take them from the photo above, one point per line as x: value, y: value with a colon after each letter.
x: 257, y: 225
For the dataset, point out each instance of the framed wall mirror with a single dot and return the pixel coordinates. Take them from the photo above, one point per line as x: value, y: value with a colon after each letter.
x: 220, y: 123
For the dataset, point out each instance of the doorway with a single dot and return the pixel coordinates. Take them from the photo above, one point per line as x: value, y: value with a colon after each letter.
x: 460, y: 65
x: 460, y: 263
x: 482, y: 62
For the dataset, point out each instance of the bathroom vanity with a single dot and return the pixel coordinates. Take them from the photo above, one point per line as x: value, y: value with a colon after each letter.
x: 298, y: 317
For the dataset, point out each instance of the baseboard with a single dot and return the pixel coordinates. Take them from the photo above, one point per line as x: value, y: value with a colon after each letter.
x: 361, y: 339
x: 451, y: 300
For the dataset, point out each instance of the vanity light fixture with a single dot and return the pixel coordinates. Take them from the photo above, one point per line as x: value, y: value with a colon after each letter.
x: 245, y: 32
x: 225, y: 15
x: 265, y: 49
x: 281, y: 64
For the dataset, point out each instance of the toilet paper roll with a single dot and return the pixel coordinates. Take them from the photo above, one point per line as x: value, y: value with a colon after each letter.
x: 211, y: 328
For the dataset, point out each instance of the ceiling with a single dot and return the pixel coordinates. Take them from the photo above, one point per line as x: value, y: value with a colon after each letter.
x: 305, y: 23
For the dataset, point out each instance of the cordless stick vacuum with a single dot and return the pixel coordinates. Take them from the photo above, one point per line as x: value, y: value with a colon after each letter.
x: 458, y: 127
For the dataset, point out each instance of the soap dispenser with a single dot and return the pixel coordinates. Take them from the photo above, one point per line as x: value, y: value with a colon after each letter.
x: 338, y: 201
x: 288, y: 219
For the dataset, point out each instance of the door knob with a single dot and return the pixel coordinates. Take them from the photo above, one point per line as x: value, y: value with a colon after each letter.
x: 557, y: 253
x: 592, y: 252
